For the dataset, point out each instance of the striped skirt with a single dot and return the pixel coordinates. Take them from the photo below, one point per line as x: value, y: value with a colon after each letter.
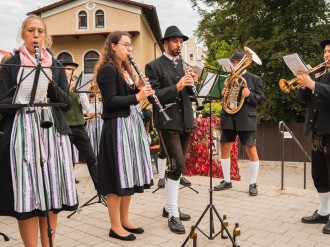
x: 29, y: 142
x: 134, y: 161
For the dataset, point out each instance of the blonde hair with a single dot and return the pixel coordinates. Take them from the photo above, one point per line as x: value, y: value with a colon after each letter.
x: 48, y: 41
x: 108, y: 56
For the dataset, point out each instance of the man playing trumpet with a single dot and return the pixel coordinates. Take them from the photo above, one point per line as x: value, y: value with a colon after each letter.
x: 317, y: 94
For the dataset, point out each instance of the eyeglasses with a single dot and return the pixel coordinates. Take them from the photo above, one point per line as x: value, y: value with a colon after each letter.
x: 127, y: 45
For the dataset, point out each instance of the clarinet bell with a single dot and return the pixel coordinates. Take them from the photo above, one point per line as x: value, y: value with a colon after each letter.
x: 45, y: 120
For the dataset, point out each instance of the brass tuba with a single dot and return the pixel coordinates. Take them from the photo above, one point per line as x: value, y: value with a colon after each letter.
x: 235, y: 82
x: 286, y: 86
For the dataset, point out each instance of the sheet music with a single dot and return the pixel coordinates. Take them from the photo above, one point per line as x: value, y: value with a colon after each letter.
x: 227, y: 66
x: 84, y: 82
x: 208, y: 84
x: 295, y: 63
x: 26, y: 77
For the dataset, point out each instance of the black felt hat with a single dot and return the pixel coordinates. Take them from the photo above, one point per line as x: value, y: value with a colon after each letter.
x: 173, y: 31
x: 324, y: 43
x: 68, y: 61
x: 238, y: 55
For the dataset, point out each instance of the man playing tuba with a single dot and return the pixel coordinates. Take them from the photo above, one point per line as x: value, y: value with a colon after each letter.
x: 242, y: 124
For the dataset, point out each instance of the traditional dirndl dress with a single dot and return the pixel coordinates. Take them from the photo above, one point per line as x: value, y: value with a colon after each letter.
x: 124, y: 158
x: 28, y: 142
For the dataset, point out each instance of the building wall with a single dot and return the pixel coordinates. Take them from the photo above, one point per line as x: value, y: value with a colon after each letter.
x: 62, y: 23
x: 191, y: 47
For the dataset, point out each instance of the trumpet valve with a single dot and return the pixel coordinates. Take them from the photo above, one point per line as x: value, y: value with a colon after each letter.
x: 284, y: 86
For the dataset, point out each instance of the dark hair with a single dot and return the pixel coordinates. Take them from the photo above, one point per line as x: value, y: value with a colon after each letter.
x: 108, y: 56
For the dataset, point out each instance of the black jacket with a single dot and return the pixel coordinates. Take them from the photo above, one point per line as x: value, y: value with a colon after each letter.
x: 163, y: 77
x: 317, y: 116
x: 116, y: 94
x: 57, y: 92
x: 246, y: 117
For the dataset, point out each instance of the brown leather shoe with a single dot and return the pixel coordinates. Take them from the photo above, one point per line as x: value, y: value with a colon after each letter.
x: 316, y: 219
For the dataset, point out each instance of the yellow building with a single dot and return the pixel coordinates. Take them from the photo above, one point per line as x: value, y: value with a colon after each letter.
x: 79, y: 29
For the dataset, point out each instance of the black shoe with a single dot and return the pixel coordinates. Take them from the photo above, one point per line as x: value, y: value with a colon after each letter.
x: 183, y: 217
x: 129, y: 237
x: 161, y: 183
x: 184, y: 181
x: 76, y: 181
x: 138, y: 230
x: 176, y: 226
x: 326, y: 228
x: 316, y: 219
x: 223, y: 185
x: 253, y: 191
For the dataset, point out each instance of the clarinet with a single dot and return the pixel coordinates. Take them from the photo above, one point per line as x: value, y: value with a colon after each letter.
x: 36, y: 53
x: 162, y: 112
x: 199, y: 103
x: 45, y: 121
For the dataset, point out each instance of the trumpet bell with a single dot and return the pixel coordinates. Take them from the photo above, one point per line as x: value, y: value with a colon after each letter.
x: 284, y: 86
x: 253, y: 55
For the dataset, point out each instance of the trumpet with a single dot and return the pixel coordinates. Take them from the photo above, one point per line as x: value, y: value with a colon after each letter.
x: 162, y: 112
x: 293, y: 84
x: 199, y: 103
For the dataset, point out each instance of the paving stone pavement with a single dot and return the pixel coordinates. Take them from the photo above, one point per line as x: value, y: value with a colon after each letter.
x: 270, y: 219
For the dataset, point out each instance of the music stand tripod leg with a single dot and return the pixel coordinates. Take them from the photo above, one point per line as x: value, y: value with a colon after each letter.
x: 211, y: 205
x: 5, y: 237
x: 189, y: 186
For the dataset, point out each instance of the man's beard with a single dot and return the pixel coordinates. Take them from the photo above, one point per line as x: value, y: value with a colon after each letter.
x: 173, y: 52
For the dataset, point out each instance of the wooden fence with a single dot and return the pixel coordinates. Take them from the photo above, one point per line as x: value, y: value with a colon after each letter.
x: 269, y: 143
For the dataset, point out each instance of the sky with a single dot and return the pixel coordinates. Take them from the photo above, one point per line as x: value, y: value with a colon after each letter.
x: 170, y: 12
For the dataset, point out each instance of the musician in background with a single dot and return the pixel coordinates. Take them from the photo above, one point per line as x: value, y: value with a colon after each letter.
x: 244, y: 125
x: 76, y: 121
x: 316, y: 93
x: 124, y: 159
x: 173, y: 85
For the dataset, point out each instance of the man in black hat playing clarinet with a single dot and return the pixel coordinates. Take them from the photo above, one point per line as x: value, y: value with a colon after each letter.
x: 76, y: 121
x: 172, y: 85
x: 316, y: 93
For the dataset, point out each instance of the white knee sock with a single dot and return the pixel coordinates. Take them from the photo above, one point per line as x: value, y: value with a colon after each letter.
x: 324, y: 206
x: 161, y: 167
x: 172, y: 192
x: 225, y: 164
x: 253, y: 171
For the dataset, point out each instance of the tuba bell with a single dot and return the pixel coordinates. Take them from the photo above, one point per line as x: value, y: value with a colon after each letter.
x: 235, y: 82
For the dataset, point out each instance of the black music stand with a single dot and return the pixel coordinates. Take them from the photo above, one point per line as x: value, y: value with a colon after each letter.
x: 5, y: 237
x: 82, y: 86
x: 205, y: 92
x: 31, y: 100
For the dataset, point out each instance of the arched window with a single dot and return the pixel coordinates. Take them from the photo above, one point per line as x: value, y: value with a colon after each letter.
x: 90, y: 60
x: 64, y: 55
x: 99, y: 19
x: 82, y: 20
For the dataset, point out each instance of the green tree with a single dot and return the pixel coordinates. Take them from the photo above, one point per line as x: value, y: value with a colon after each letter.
x: 271, y: 28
